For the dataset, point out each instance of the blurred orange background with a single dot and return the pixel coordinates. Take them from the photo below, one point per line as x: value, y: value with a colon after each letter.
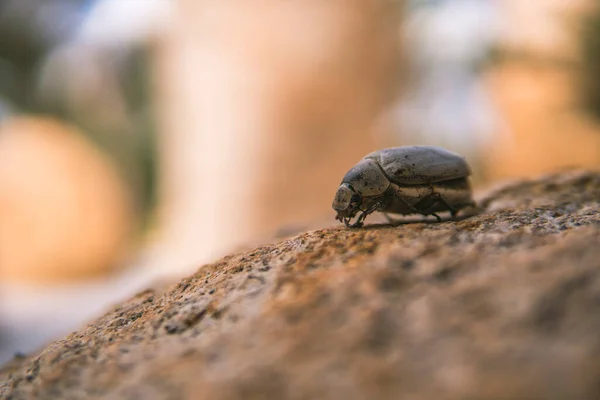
x: 140, y: 139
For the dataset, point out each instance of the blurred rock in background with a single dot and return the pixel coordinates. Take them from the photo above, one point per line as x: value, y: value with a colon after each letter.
x: 64, y: 210
x: 536, y: 86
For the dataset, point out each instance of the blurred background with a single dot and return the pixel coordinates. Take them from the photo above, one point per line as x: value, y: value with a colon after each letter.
x: 140, y: 139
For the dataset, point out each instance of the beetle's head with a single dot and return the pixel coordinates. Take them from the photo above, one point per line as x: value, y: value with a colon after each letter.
x: 346, y: 202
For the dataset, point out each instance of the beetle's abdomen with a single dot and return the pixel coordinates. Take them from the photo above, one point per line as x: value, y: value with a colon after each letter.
x: 367, y: 179
x: 457, y: 192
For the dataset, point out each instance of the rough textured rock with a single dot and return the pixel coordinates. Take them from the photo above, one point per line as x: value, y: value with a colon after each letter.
x: 502, y: 305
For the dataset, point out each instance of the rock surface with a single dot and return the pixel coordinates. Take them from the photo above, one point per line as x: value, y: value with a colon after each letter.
x: 501, y: 305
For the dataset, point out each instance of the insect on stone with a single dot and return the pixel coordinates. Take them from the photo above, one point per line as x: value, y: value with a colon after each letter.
x: 404, y: 180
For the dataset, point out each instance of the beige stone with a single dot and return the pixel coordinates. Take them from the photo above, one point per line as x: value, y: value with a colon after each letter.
x: 535, y: 88
x: 544, y: 131
x: 64, y: 212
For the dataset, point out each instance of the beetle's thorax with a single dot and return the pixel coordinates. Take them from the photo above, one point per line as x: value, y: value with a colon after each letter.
x: 367, y: 178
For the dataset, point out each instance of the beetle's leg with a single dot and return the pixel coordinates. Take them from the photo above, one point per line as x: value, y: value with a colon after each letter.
x: 374, y: 207
x: 433, y: 199
x: 357, y: 224
x: 410, y: 207
x: 441, y: 199
x: 362, y: 216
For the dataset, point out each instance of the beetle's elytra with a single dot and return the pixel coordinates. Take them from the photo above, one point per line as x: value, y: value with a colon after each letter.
x: 404, y: 180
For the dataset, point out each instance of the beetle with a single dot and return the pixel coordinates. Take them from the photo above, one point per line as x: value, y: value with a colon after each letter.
x: 404, y: 180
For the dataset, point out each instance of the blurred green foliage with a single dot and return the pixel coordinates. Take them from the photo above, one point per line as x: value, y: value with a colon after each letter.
x: 590, y: 75
x: 26, y: 41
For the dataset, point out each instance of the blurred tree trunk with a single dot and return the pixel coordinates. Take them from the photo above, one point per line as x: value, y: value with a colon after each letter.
x: 267, y: 104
